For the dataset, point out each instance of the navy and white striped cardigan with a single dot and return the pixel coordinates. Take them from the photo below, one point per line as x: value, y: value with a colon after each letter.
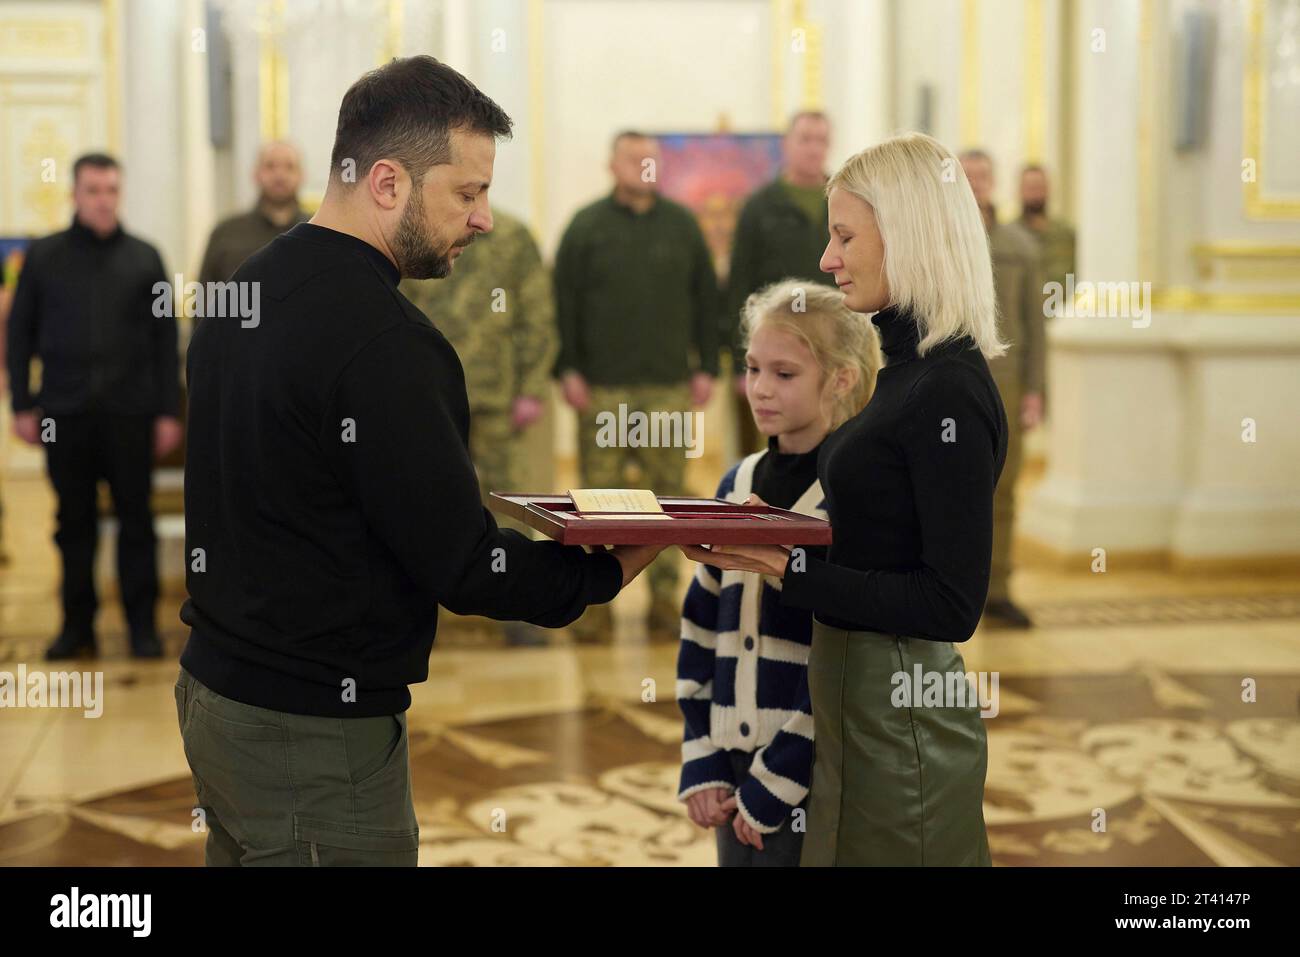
x: 742, y: 679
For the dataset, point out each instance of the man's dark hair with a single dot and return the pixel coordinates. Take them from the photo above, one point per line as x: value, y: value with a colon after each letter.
x: 94, y: 160
x: 405, y: 111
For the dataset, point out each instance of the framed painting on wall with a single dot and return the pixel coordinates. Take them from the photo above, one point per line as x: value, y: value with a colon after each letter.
x: 713, y: 174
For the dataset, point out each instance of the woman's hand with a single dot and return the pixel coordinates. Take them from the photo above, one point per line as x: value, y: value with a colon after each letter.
x: 764, y: 559
x: 705, y: 807
x: 745, y: 834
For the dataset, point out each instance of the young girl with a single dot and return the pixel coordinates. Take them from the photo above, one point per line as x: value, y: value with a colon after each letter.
x: 742, y: 681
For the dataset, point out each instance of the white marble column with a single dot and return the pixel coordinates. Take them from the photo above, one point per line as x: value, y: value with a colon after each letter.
x: 857, y: 76
x: 199, y: 199
x: 1115, y: 457
x: 1152, y: 457
x: 153, y: 141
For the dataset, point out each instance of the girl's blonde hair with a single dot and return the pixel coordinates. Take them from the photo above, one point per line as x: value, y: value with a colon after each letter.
x: 838, y: 337
x: 936, y: 248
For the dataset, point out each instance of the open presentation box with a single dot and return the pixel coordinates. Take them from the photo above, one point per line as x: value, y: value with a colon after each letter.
x: 685, y: 521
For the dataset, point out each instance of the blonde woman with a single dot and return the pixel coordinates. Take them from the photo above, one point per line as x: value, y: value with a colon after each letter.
x: 909, y: 486
x: 742, y: 676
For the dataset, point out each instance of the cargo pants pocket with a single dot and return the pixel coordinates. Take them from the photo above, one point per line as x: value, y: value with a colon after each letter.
x: 326, y: 844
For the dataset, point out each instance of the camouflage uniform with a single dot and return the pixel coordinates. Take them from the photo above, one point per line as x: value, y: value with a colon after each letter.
x: 1018, y: 279
x: 496, y: 309
x: 661, y: 469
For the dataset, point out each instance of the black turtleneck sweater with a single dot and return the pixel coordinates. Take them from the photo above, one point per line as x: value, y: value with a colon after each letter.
x: 781, y: 477
x: 85, y: 306
x: 909, y: 490
x: 328, y: 482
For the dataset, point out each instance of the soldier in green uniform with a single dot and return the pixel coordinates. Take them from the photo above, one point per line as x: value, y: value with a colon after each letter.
x: 1055, y: 237
x: 637, y: 306
x: 278, y: 175
x: 1017, y: 276
x: 781, y: 234
x: 497, y: 311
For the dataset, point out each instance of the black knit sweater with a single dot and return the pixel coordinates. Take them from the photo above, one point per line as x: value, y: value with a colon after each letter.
x: 909, y: 490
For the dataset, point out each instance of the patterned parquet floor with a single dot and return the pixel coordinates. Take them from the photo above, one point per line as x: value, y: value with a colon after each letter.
x: 1126, y: 697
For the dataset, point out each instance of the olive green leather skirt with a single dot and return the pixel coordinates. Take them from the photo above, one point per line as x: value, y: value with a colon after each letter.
x: 891, y: 785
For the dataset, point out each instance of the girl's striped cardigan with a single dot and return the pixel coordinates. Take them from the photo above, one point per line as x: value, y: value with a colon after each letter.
x: 742, y: 679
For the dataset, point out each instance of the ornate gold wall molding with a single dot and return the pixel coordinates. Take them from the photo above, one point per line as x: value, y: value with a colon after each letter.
x: 31, y: 37
x: 780, y: 43
x: 272, y: 76
x: 58, y: 98
x: 1034, y: 81
x: 1254, y: 111
x: 392, y: 47
x: 1235, y: 261
x: 1149, y: 194
x: 1066, y: 104
x: 1150, y: 134
x: 810, y: 73
x: 1184, y: 299
x: 1248, y: 262
x: 113, y: 73
x: 47, y: 126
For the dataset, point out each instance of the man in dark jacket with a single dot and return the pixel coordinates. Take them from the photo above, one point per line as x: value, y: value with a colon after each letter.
x: 109, y: 396
x: 330, y: 502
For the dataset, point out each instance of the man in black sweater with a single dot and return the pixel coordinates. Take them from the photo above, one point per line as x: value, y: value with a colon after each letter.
x: 109, y: 399
x: 330, y: 502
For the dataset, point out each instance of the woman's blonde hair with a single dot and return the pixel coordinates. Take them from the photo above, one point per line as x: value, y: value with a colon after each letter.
x: 936, y: 248
x: 838, y: 337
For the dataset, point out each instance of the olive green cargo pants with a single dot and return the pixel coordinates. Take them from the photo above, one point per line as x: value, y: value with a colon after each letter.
x: 279, y: 789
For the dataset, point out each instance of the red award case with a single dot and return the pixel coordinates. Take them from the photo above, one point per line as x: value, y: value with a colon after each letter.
x: 690, y: 521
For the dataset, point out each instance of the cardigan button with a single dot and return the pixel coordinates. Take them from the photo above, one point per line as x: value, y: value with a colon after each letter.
x: 744, y: 729
x: 749, y: 643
